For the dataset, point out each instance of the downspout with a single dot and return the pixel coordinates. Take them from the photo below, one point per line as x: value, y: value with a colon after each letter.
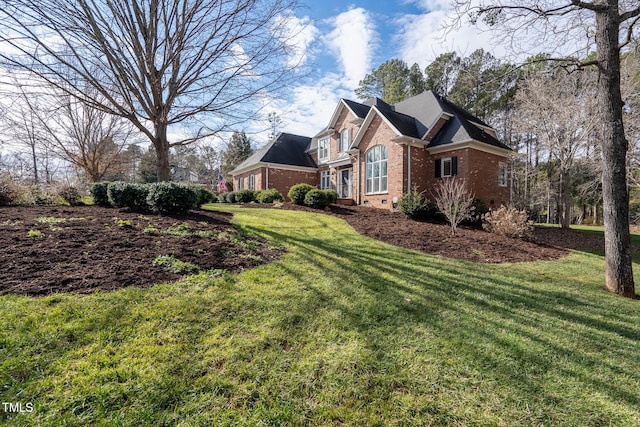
x: 358, y: 188
x: 267, y: 177
x: 409, y: 168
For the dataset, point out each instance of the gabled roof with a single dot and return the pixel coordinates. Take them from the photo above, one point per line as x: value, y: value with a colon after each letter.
x: 285, y: 149
x: 403, y: 123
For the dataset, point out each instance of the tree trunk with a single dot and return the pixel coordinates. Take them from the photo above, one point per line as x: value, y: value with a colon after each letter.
x: 161, y: 144
x: 619, y: 275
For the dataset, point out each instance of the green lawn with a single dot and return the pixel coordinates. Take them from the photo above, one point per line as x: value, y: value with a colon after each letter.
x: 343, y: 330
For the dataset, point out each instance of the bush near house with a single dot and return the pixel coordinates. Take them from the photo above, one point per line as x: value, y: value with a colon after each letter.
x: 508, y: 222
x: 316, y: 199
x: 230, y: 197
x: 298, y: 192
x: 269, y: 196
x: 332, y: 196
x: 245, y: 196
x: 416, y: 206
x: 169, y: 197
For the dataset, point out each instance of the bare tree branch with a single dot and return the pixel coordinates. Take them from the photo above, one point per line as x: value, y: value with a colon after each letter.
x: 157, y: 63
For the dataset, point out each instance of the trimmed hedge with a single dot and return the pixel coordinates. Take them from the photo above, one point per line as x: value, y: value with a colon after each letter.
x: 169, y: 197
x: 269, y: 196
x: 245, y: 196
x: 128, y: 195
x: 316, y: 199
x: 204, y: 194
x: 230, y: 197
x: 99, y: 193
x: 298, y: 192
x: 332, y: 196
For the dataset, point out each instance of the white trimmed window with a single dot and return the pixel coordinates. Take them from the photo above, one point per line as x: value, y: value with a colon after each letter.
x: 345, y: 140
x: 252, y: 182
x: 325, y: 180
x: 376, y: 170
x: 323, y: 150
x: 241, y: 183
x: 503, y: 174
x: 447, y: 167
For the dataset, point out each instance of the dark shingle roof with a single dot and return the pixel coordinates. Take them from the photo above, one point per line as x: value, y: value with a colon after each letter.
x: 358, y: 109
x: 404, y: 123
x: 290, y: 149
x: 286, y: 149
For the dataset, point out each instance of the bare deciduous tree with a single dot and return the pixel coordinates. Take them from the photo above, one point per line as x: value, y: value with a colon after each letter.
x: 57, y: 123
x: 608, y: 25
x: 157, y: 63
x: 558, y: 108
x: 454, y: 201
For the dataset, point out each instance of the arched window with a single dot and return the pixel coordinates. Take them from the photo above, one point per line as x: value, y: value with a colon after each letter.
x: 376, y: 168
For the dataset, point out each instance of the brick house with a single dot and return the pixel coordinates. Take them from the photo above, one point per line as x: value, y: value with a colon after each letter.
x: 281, y: 163
x: 371, y: 153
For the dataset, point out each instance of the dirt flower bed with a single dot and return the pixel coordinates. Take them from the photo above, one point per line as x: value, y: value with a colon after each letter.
x: 83, y: 249
x: 468, y: 244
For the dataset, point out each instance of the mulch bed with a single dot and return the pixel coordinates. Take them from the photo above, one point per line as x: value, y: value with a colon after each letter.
x: 90, y: 251
x: 468, y: 244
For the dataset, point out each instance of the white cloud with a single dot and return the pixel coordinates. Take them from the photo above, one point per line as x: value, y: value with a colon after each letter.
x: 299, y: 33
x: 422, y: 38
x: 352, y: 42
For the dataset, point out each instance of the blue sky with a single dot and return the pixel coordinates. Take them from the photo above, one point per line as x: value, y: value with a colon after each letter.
x: 346, y: 40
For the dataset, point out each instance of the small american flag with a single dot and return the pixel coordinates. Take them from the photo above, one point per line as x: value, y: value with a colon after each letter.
x: 222, y: 183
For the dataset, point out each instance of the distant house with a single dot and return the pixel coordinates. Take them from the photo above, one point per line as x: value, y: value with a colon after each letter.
x: 183, y: 174
x: 371, y: 153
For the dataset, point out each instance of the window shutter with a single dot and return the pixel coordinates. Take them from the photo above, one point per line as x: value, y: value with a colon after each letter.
x: 438, y: 168
x: 454, y: 166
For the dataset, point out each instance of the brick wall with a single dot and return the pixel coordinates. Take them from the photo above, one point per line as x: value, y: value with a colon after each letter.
x: 379, y: 133
x: 258, y: 173
x: 481, y: 171
x: 282, y: 179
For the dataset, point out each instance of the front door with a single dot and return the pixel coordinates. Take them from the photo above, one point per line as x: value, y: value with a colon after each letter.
x: 344, y: 183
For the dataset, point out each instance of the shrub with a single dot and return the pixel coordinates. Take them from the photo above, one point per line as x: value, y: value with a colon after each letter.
x: 509, y: 222
x: 230, y: 197
x: 129, y: 195
x: 332, y: 196
x: 316, y: 199
x: 269, y: 196
x: 415, y: 205
x: 245, y: 196
x: 204, y: 194
x: 169, y: 197
x: 479, y: 210
x: 99, y: 193
x: 9, y: 190
x: 298, y: 192
x: 70, y: 194
x: 454, y: 201
x: 42, y: 195
x: 222, y: 197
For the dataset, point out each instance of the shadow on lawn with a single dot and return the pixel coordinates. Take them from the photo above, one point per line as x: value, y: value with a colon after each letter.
x: 510, y: 331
